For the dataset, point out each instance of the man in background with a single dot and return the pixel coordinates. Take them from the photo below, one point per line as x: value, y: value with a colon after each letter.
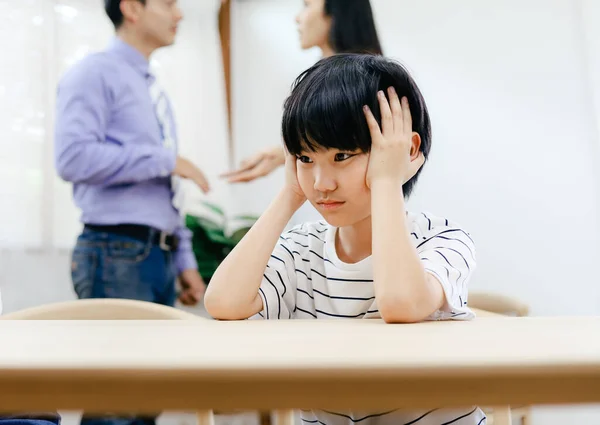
x: 116, y: 141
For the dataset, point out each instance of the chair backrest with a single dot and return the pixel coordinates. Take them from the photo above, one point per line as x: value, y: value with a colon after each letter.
x: 101, y: 309
x: 497, y: 303
x: 108, y: 309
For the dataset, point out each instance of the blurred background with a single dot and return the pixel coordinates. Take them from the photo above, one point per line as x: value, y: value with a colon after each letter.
x: 513, y: 88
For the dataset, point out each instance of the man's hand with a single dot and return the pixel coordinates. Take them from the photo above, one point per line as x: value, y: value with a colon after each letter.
x: 192, y: 287
x: 395, y: 154
x: 185, y: 169
x: 258, y: 165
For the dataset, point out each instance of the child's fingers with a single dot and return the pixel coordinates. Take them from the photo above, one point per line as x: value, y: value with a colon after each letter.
x: 288, y: 155
x: 406, y: 116
x: 396, y: 110
x: 372, y: 123
x: 387, y: 120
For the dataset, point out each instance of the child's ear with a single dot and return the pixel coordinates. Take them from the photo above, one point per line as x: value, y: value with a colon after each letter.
x: 417, y: 159
x: 415, y: 146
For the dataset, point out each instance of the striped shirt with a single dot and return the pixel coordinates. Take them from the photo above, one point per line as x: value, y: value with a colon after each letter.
x: 305, y: 279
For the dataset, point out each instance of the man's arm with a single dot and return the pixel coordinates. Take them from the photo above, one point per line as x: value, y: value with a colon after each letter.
x: 83, y: 152
x: 192, y: 284
x: 184, y: 256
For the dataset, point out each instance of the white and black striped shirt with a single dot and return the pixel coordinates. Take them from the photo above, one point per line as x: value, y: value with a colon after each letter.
x: 305, y: 279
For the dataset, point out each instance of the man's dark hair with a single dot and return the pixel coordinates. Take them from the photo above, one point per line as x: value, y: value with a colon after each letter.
x: 352, y: 27
x: 325, y: 108
x: 113, y: 10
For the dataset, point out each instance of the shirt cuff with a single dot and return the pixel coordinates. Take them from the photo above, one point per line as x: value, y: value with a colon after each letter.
x: 184, y: 260
x: 166, y: 162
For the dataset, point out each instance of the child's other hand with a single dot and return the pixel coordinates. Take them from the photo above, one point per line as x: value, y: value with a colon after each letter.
x: 395, y: 154
x: 292, y: 187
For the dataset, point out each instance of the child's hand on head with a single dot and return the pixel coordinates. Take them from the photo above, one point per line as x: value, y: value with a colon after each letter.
x: 395, y: 154
x: 292, y: 187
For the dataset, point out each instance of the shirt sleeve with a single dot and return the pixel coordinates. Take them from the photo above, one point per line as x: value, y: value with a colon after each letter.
x: 184, y: 256
x: 278, y: 287
x: 83, y: 154
x: 449, y: 255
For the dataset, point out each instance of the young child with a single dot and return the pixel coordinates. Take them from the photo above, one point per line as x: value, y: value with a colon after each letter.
x: 357, y: 133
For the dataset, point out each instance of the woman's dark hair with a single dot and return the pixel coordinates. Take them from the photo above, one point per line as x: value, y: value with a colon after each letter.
x: 352, y: 27
x: 113, y: 10
x: 325, y: 107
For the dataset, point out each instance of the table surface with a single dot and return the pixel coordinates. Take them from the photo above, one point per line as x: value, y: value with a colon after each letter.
x: 362, y: 364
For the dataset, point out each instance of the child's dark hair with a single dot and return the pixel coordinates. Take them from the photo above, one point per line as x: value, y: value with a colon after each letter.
x: 113, y: 10
x: 325, y: 108
x: 352, y: 27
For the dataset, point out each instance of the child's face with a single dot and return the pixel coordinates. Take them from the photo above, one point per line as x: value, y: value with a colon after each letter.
x: 335, y: 184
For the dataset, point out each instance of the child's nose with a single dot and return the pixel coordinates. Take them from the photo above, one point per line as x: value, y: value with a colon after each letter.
x: 324, y: 182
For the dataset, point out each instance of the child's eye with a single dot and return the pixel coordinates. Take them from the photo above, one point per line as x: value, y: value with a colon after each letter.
x: 304, y: 159
x: 342, y: 156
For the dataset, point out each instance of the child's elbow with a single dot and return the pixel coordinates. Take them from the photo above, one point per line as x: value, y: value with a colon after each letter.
x: 394, y: 310
x: 218, y: 306
x: 222, y: 306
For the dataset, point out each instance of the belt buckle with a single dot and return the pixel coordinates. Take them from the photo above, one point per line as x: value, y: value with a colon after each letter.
x: 162, y: 241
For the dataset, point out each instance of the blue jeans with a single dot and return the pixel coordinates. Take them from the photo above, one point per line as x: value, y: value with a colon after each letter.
x: 31, y: 419
x: 106, y: 265
x: 28, y: 421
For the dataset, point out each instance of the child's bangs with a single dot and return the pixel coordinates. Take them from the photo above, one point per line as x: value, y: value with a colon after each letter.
x: 326, y: 114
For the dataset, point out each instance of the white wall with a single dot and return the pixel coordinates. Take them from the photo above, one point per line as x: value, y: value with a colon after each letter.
x: 265, y: 60
x: 515, y: 146
x: 48, y: 37
x: 590, y: 12
x: 40, y: 221
x: 192, y: 72
x: 515, y: 138
x: 513, y: 88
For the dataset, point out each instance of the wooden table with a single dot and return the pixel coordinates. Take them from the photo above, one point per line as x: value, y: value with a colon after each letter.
x: 149, y: 366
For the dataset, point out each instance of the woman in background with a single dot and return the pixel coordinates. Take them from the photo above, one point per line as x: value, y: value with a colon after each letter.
x: 334, y: 26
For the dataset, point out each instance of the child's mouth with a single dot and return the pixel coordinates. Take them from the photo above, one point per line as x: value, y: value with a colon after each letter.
x: 330, y: 205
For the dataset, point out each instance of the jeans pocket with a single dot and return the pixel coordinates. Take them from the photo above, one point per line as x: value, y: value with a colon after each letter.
x: 83, y: 272
x: 127, y: 250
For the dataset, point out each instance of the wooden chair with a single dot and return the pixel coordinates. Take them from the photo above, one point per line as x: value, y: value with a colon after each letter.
x: 507, y: 306
x: 497, y: 303
x: 101, y: 309
x: 121, y: 309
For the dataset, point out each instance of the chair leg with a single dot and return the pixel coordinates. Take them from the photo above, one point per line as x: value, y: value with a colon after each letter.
x: 284, y: 417
x: 526, y: 416
x: 206, y: 417
x: 265, y: 418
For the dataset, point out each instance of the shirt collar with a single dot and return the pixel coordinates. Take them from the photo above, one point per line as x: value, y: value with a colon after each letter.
x: 131, y: 55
